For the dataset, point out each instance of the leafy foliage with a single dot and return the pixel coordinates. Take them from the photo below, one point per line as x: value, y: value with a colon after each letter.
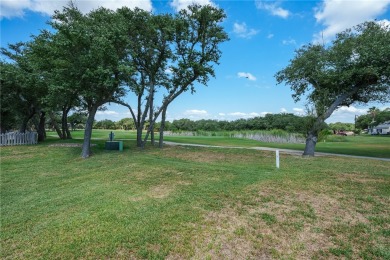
x: 170, y: 54
x: 88, y: 60
x: 354, y: 69
x: 23, y: 86
x: 374, y: 117
x: 283, y: 121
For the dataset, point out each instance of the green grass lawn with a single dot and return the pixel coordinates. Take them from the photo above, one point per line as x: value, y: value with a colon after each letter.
x: 364, y: 145
x: 189, y: 202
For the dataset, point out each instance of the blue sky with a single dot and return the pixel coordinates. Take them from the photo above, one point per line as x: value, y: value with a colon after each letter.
x: 263, y: 37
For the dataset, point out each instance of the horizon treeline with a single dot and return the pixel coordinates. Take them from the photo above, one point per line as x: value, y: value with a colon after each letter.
x: 284, y: 121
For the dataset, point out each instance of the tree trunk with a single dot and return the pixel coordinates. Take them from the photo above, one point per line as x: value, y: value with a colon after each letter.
x: 149, y: 131
x: 311, y: 142
x: 68, y: 134
x: 55, y: 125
x: 312, y: 135
x: 41, y: 127
x: 23, y: 126
x: 64, y: 123
x: 139, y: 136
x: 86, y: 150
x: 141, y: 143
x: 137, y: 123
x: 151, y: 116
x: 162, y: 126
x: 152, y: 136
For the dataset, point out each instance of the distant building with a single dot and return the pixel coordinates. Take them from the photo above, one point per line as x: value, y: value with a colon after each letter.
x: 382, y: 129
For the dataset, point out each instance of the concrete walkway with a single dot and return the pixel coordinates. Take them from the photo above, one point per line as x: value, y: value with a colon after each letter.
x: 285, y: 151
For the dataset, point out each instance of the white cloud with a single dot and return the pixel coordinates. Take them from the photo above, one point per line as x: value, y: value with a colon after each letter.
x: 289, y: 42
x: 203, y: 114
x: 107, y: 112
x: 195, y: 112
x: 343, y: 114
x: 385, y: 22
x: 16, y: 8
x: 270, y: 36
x: 254, y: 114
x: 350, y: 111
x: 338, y: 15
x: 262, y: 114
x: 246, y: 75
x: 274, y: 8
x: 346, y: 114
x: 241, y: 30
x: 283, y: 110
x: 299, y: 111
x: 10, y: 8
x: 183, y: 4
x: 237, y: 114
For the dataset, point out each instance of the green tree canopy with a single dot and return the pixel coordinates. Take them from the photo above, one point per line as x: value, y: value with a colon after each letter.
x: 126, y: 123
x: 355, y: 68
x: 374, y: 117
x: 23, y: 86
x: 90, y: 53
x: 170, y: 54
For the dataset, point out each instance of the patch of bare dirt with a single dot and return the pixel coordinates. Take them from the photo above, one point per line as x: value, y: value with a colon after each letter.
x: 302, y: 220
x: 124, y: 253
x: 160, y: 191
x: 206, y: 155
x: 299, y: 229
x: 359, y: 178
x: 323, y: 207
x: 225, y: 237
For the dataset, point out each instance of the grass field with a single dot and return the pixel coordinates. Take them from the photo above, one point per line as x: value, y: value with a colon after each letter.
x: 188, y: 202
x: 364, y: 145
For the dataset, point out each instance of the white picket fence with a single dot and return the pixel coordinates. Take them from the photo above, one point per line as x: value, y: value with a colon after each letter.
x: 15, y: 138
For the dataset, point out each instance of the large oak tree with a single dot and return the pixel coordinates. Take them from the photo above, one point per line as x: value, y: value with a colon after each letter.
x: 170, y: 54
x: 90, y: 50
x: 149, y: 38
x: 354, y: 69
x: 196, y: 49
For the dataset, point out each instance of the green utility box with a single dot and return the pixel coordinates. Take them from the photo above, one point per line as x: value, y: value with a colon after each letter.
x: 114, y: 145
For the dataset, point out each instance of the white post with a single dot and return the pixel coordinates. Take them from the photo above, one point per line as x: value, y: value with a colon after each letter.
x: 277, y: 159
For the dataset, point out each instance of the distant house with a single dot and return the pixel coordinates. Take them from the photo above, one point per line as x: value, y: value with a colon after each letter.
x: 382, y: 129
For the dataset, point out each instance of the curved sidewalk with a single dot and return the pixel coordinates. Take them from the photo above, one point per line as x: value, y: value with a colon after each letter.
x: 286, y: 151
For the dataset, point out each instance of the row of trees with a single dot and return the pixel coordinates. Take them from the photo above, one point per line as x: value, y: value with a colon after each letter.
x: 124, y: 124
x: 88, y: 60
x: 374, y: 117
x: 284, y: 121
x: 339, y: 126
